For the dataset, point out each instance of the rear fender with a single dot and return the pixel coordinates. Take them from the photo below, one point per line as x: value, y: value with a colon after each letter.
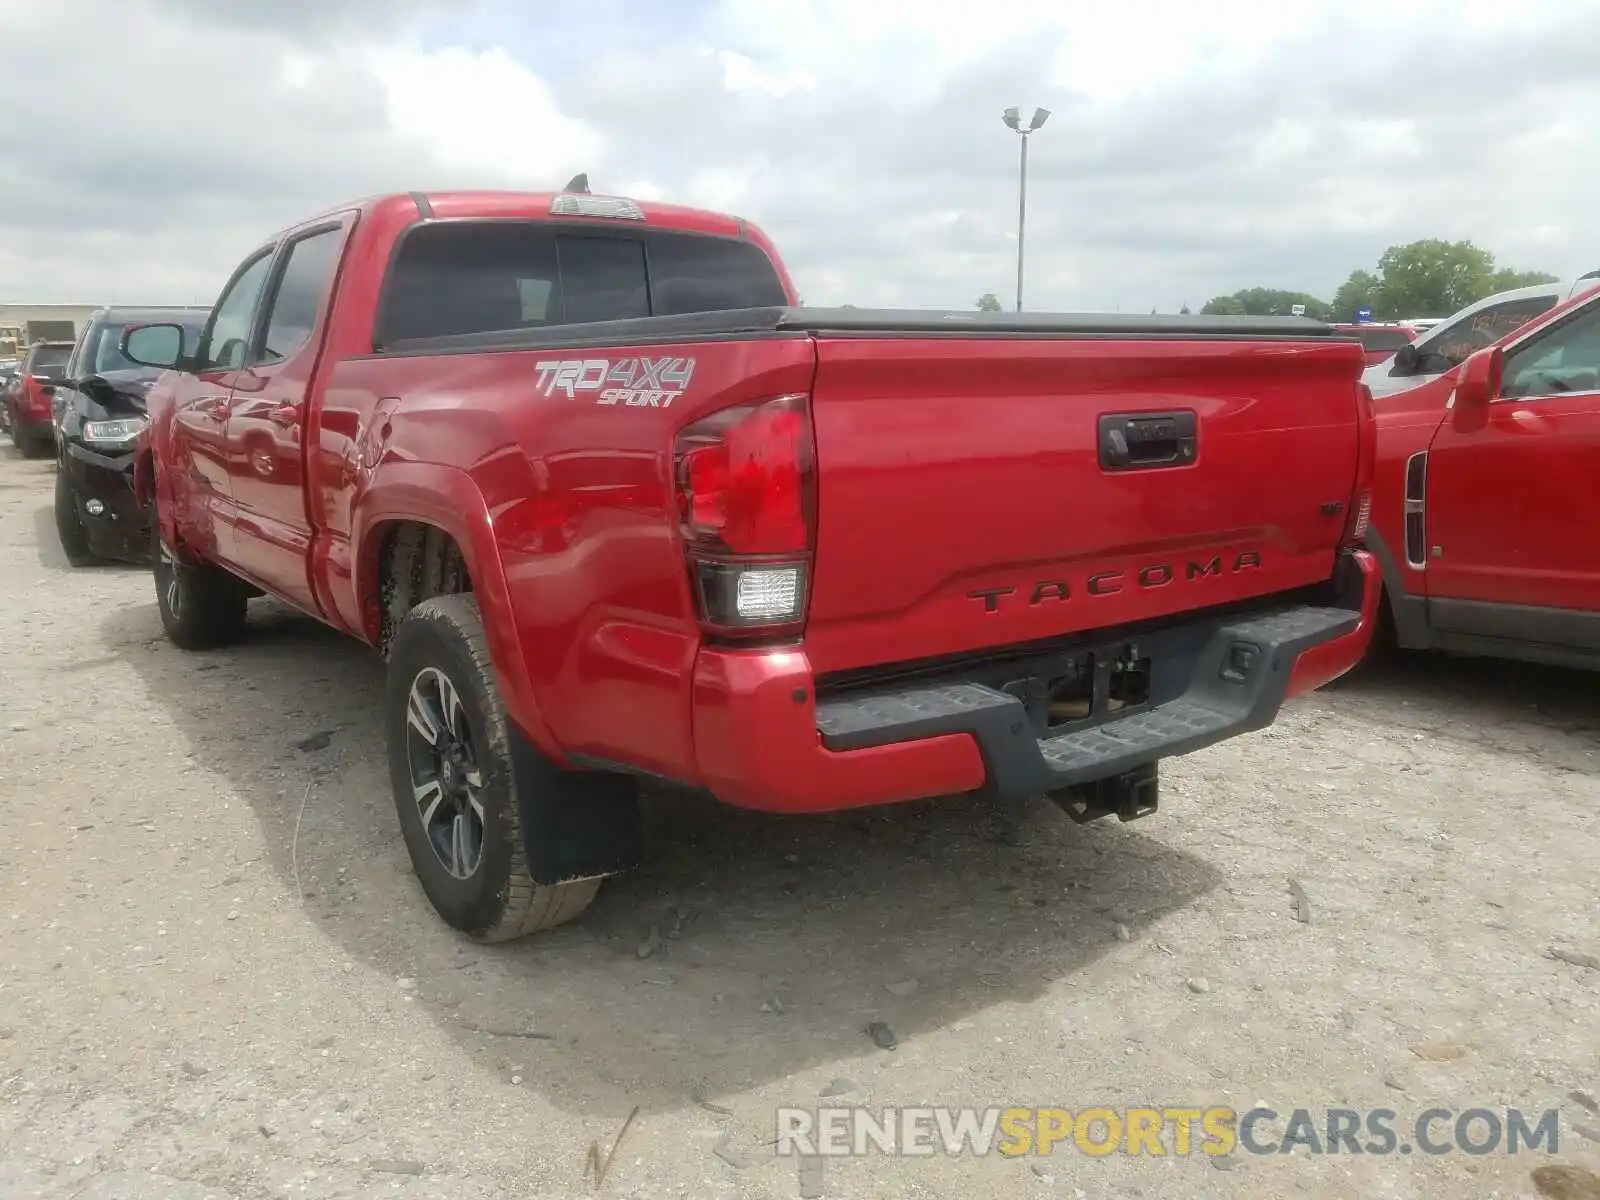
x: 449, y: 499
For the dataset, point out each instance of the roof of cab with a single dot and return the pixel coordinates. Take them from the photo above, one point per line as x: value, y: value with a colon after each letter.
x: 503, y: 205
x: 139, y: 312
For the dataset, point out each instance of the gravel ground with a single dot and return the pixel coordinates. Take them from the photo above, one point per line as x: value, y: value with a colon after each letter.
x: 197, y: 1003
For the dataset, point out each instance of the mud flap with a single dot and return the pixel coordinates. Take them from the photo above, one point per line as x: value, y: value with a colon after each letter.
x: 575, y: 824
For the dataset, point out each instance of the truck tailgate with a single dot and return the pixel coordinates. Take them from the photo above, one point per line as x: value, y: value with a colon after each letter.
x: 970, y: 494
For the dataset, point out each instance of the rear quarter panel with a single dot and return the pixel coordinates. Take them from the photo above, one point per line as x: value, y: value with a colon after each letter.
x: 600, y: 632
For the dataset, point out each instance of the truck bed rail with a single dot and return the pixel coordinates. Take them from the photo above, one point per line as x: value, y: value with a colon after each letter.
x: 869, y: 322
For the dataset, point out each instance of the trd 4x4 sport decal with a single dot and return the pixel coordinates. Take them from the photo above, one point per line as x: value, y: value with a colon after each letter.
x: 631, y: 382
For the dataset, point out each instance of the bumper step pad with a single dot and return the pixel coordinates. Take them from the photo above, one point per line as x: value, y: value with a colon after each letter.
x: 1241, y: 671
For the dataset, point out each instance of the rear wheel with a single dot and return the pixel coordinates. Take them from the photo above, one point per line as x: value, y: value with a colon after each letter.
x: 69, y: 524
x: 454, y: 788
x: 35, y: 445
x: 201, y: 605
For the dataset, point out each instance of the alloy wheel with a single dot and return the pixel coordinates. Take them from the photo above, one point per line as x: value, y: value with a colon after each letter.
x: 446, y: 781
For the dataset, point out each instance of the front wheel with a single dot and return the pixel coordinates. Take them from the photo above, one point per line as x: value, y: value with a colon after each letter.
x: 201, y: 606
x: 454, y: 788
x: 69, y: 525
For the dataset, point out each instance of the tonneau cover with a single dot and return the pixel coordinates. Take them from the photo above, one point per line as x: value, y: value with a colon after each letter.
x: 872, y: 322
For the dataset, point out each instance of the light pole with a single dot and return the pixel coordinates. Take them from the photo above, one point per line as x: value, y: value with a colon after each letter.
x: 1013, y: 122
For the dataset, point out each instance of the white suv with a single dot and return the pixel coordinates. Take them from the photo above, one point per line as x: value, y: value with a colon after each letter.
x: 1474, y: 327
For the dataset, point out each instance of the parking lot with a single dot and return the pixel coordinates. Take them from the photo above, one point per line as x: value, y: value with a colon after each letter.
x: 218, y: 977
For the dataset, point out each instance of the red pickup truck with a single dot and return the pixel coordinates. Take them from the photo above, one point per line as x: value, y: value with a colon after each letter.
x: 614, y: 508
x: 1483, y: 519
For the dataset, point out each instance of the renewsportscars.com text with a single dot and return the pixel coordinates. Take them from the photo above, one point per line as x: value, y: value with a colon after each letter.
x: 1158, y: 1132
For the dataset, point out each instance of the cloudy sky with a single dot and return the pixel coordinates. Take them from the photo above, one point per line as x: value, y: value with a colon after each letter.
x: 146, y: 145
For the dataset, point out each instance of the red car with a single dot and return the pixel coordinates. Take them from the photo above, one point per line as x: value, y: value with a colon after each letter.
x: 28, y: 401
x: 1484, y: 500
x: 614, y: 508
x: 1380, y: 341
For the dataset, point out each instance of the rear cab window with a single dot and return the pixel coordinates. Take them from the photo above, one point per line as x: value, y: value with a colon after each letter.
x: 1383, y: 339
x: 461, y: 277
x: 46, y: 360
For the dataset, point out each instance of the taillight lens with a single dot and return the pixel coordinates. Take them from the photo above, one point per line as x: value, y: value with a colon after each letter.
x: 1366, y: 461
x: 746, y: 483
x: 35, y: 399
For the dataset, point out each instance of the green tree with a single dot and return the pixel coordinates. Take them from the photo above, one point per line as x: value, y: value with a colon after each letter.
x: 1362, y: 290
x: 1266, y: 302
x: 1184, y: 311
x: 1505, y: 279
x: 1434, y: 278
x: 988, y: 302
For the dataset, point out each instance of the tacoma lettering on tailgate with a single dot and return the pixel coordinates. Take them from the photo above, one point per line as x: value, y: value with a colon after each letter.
x: 630, y: 382
x: 1109, y: 583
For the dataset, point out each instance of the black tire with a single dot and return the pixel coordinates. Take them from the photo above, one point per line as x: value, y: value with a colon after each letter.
x: 201, y: 606
x: 36, y: 445
x: 491, y: 897
x: 69, y: 525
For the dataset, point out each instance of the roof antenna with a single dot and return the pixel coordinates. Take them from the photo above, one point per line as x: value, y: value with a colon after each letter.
x: 578, y: 183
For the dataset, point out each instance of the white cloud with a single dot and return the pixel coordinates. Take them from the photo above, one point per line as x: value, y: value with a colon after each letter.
x: 1192, y: 149
x: 741, y: 74
x: 483, y: 111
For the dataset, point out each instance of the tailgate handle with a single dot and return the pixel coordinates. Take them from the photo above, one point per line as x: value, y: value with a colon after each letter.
x: 1145, y: 441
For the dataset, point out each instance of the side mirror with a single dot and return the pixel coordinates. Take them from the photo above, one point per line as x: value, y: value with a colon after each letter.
x: 1479, y: 381
x: 89, y: 383
x: 153, y: 345
x: 1405, y: 360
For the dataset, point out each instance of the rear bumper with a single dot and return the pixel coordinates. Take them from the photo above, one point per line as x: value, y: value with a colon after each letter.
x: 764, y: 741
x: 28, y: 426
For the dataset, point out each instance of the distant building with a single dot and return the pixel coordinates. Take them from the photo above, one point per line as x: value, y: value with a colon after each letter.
x: 18, y: 321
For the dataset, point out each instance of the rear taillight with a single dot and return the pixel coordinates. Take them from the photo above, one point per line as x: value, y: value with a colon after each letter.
x: 35, y: 399
x: 746, y: 484
x: 1355, y: 530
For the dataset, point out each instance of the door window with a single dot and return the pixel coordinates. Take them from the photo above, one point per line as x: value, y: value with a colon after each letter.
x: 1563, y: 359
x: 303, y: 285
x: 1454, y: 343
x: 226, y: 341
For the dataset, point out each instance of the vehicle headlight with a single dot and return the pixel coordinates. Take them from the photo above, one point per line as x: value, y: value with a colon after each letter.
x: 112, y: 433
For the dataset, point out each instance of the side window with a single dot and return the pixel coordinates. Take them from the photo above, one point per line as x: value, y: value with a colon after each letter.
x: 1564, y: 359
x: 97, y: 350
x: 602, y: 279
x: 82, y: 361
x: 224, y: 345
x: 1467, y: 336
x: 302, y: 287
